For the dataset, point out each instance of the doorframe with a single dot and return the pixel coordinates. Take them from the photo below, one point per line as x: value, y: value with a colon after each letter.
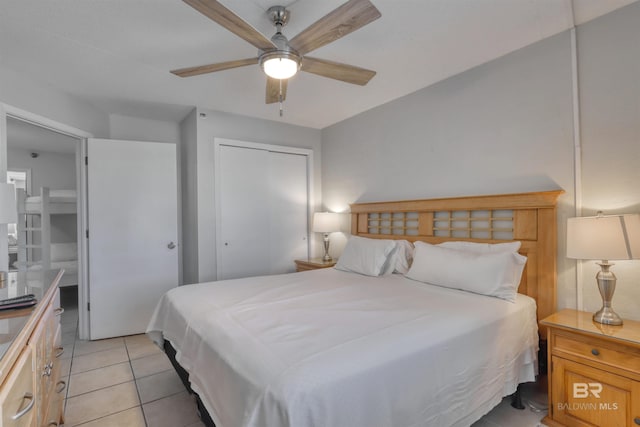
x: 9, y: 111
x: 217, y: 142
x: 27, y: 172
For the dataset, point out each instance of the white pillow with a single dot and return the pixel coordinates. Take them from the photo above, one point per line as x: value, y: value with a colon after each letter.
x: 400, y: 258
x: 485, y: 248
x: 64, y: 252
x: 365, y: 256
x: 494, y: 274
x: 482, y: 247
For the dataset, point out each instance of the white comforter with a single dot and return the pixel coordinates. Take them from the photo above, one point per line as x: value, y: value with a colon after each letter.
x: 336, y: 349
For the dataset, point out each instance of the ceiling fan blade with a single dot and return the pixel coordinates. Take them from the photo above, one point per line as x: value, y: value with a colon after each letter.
x: 347, y: 18
x: 210, y: 68
x: 232, y: 22
x: 273, y: 90
x: 337, y: 71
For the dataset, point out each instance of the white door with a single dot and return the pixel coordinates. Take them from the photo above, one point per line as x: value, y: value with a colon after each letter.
x: 262, y: 211
x: 133, y: 233
x: 288, y: 211
x: 242, y: 198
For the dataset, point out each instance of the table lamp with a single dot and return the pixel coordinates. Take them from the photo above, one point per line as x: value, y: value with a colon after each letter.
x: 326, y: 222
x: 8, y: 213
x: 604, y: 238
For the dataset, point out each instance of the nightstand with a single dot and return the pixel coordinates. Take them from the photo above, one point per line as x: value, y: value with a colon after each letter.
x: 594, y: 377
x: 313, y: 264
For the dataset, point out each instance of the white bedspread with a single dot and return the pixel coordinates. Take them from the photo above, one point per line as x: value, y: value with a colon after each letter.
x: 337, y: 349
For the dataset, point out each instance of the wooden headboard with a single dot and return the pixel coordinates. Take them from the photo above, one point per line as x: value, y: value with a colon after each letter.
x: 527, y: 217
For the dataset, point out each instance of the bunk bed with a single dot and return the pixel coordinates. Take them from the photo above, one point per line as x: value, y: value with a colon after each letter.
x: 35, y: 249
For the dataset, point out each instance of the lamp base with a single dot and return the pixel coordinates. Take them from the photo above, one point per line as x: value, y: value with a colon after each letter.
x: 607, y: 316
x: 326, y: 257
x: 607, y: 286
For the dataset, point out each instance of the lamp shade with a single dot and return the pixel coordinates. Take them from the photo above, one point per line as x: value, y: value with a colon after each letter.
x: 8, y: 209
x: 610, y: 237
x: 326, y: 222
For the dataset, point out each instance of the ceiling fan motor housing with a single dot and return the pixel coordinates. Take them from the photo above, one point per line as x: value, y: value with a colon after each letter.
x: 280, y: 16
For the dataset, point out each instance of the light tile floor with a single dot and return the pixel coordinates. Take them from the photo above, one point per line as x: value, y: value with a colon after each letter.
x: 120, y: 382
x: 129, y: 382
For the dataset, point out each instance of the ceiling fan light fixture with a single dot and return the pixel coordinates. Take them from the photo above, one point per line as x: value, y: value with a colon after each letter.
x: 280, y: 65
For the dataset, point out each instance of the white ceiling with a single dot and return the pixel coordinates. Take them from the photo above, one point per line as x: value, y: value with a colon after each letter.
x: 117, y: 53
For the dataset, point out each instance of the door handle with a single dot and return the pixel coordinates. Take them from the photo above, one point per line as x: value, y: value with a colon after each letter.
x: 171, y: 245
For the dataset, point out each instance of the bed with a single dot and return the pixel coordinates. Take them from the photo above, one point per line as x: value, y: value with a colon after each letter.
x: 333, y: 348
x: 59, y: 201
x: 36, y: 235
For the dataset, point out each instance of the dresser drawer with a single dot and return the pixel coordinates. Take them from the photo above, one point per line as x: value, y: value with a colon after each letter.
x: 17, y: 396
x: 600, y: 399
x: 596, y: 350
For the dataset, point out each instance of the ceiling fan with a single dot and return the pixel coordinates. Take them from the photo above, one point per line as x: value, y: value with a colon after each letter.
x: 281, y: 58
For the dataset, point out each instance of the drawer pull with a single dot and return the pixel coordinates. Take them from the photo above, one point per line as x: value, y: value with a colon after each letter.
x: 48, y: 368
x: 58, y: 311
x: 637, y: 420
x: 61, y: 389
x: 595, y: 352
x: 60, y: 351
x: 32, y: 401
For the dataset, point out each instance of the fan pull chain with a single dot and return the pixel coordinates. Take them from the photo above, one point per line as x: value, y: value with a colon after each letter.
x: 280, y: 98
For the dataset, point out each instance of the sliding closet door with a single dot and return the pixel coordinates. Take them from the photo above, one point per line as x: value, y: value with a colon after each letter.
x: 243, y: 198
x: 133, y: 233
x: 262, y: 208
x: 288, y: 210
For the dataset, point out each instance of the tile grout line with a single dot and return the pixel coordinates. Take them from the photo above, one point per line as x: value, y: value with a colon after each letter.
x: 73, y: 346
x: 135, y: 380
x: 104, y: 416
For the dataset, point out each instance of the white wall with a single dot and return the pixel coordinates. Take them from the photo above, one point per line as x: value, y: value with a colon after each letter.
x: 506, y: 126
x: 222, y: 125
x: 49, y: 169
x: 189, y: 173
x: 139, y: 129
x: 610, y: 109
x: 47, y: 101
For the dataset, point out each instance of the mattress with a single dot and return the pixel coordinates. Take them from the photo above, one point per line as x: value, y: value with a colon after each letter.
x: 69, y: 266
x: 70, y: 276
x: 61, y: 197
x: 332, y: 348
x: 56, y: 196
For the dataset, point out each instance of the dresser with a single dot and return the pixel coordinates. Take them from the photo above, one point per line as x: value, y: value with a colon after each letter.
x: 594, y: 375
x: 31, y: 391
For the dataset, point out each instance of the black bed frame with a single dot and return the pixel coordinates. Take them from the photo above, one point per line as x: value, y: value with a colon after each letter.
x: 184, y: 376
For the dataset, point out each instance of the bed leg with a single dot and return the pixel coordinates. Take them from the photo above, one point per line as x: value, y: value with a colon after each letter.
x: 516, y: 399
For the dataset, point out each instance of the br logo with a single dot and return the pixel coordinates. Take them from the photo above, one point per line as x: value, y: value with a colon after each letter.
x: 583, y: 390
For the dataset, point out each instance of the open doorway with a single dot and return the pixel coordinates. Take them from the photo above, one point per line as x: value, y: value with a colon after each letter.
x: 21, y: 180
x: 42, y: 164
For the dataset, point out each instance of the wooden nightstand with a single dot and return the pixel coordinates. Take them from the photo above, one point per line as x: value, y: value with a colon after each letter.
x: 313, y: 264
x: 594, y: 375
